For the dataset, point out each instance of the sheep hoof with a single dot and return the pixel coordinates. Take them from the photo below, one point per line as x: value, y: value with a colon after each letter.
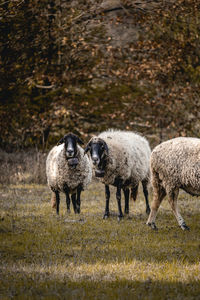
x: 152, y: 225
x: 78, y: 209
x: 119, y: 218
x: 148, y: 210
x: 106, y: 216
x: 184, y: 227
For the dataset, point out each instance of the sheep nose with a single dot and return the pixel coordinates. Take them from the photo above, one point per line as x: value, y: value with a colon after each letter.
x: 70, y: 153
x: 95, y: 160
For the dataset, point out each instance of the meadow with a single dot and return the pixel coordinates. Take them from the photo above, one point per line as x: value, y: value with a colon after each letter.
x: 44, y: 256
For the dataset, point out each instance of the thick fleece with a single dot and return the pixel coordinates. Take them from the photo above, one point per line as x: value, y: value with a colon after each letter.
x: 175, y: 164
x: 60, y: 173
x: 128, y: 157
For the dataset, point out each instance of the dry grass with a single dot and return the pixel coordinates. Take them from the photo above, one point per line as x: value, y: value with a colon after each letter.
x: 22, y: 167
x: 84, y: 257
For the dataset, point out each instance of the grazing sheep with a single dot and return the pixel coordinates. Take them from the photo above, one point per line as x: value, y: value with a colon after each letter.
x: 175, y: 164
x: 68, y: 170
x: 121, y: 159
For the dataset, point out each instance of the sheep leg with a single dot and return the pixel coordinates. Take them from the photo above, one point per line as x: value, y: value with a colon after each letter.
x: 126, y: 197
x: 67, y: 201
x: 78, y: 202
x: 173, y: 196
x: 158, y: 196
x: 118, y: 196
x: 74, y: 202
x: 134, y: 192
x: 57, y: 202
x: 146, y: 195
x: 107, y: 194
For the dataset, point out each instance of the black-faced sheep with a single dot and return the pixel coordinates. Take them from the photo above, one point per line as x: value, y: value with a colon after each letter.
x: 68, y: 170
x: 175, y: 164
x: 121, y: 159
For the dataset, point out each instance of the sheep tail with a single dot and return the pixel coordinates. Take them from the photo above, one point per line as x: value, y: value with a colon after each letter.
x: 53, y: 200
x: 134, y: 192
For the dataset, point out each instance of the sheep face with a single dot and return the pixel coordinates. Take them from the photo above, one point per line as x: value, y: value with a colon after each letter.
x: 98, y: 151
x: 70, y: 140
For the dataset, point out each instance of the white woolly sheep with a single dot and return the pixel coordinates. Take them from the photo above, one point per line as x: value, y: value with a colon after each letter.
x: 175, y: 164
x: 121, y: 159
x: 68, y: 170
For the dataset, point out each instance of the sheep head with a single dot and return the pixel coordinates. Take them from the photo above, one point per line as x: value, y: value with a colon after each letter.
x: 98, y: 151
x: 70, y: 140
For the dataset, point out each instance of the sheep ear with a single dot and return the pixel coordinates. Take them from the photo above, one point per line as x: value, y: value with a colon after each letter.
x: 88, y: 147
x: 79, y: 140
x: 60, y: 142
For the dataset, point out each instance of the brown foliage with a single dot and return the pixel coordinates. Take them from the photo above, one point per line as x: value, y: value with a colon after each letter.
x: 82, y: 67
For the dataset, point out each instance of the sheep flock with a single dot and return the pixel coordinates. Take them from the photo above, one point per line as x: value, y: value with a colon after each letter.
x: 124, y: 159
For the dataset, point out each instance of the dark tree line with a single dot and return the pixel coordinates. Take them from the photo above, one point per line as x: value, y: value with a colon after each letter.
x: 84, y: 66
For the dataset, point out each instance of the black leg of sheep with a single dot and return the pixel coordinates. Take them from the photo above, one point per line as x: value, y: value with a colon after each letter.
x: 67, y: 201
x: 73, y: 197
x: 57, y: 202
x: 146, y: 195
x: 107, y: 193
x: 118, y: 196
x: 78, y: 202
x: 126, y: 197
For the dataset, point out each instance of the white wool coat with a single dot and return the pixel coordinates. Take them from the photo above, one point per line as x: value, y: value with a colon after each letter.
x: 177, y: 164
x: 59, y: 173
x: 128, y: 158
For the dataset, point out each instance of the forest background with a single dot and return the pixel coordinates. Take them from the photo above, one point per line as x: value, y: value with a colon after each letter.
x: 84, y: 66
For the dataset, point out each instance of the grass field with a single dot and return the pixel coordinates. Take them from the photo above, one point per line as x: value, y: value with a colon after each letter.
x: 43, y: 256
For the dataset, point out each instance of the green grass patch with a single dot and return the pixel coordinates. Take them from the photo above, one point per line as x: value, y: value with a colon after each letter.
x: 43, y: 256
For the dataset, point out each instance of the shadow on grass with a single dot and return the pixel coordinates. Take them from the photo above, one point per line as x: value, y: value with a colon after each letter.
x: 35, y: 286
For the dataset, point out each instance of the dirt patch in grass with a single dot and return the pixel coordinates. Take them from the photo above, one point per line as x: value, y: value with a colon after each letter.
x: 85, y: 257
